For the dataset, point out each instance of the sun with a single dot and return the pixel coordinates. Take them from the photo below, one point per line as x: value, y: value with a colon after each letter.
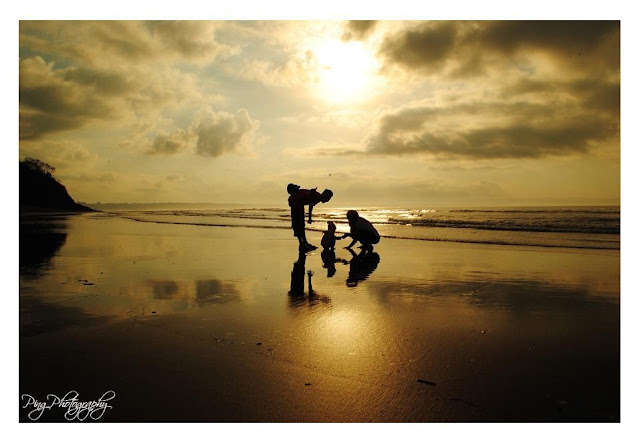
x: 346, y: 71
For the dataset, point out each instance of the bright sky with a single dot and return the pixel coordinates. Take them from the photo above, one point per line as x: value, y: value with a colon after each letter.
x: 381, y: 112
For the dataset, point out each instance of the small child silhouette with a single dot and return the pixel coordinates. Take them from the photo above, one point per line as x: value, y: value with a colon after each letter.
x: 328, y: 241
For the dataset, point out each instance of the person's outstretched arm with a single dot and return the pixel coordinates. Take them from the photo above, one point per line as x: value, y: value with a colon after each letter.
x: 353, y: 242
x: 310, y: 211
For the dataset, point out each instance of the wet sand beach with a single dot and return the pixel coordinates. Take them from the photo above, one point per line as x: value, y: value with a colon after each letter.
x: 230, y: 324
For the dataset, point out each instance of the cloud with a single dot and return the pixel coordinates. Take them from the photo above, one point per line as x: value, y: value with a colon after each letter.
x: 61, y: 99
x: 291, y: 73
x: 192, y: 40
x: 78, y: 73
x: 221, y: 132
x: 511, y: 89
x: 594, y: 94
x: 175, y: 178
x: 325, y: 150
x: 105, y: 177
x: 212, y: 134
x: 491, y: 130
x: 358, y: 29
x: 102, y: 82
x: 425, y: 47
x: 466, y: 48
x: 367, y: 189
x: 107, y: 43
x: 51, y: 102
x: 64, y: 155
x: 560, y: 37
x: 171, y: 143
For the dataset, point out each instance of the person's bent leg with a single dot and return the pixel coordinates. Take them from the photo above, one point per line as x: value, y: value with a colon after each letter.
x: 368, y: 240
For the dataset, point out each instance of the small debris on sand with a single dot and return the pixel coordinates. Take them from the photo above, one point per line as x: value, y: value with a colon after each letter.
x: 465, y: 401
x: 259, y: 343
x: 426, y: 382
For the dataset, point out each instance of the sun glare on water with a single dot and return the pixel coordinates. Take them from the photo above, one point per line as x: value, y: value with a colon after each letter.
x: 346, y: 71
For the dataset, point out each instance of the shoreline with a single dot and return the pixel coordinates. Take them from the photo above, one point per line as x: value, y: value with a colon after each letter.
x: 496, y: 242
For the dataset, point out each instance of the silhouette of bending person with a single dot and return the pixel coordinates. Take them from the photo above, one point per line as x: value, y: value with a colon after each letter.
x: 298, y: 199
x: 361, y: 231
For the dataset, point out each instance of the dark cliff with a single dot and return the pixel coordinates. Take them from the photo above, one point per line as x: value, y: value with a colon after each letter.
x: 39, y: 190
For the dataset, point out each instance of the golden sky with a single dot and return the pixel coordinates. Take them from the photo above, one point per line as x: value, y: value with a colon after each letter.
x: 381, y: 112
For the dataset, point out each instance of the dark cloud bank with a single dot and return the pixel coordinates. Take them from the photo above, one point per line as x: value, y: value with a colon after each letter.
x: 534, y: 116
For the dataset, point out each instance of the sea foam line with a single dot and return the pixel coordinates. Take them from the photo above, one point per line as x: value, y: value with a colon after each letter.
x: 398, y: 237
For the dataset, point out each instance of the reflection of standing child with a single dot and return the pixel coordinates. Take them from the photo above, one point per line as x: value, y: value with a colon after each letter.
x: 329, y: 261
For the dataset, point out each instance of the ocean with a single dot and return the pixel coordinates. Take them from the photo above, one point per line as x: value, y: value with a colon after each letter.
x: 592, y: 227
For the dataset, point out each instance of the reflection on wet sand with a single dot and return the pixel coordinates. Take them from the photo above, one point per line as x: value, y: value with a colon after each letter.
x: 38, y: 316
x: 505, y: 334
x: 361, y: 266
x: 329, y: 261
x: 524, y: 296
x: 297, y: 296
x: 202, y: 292
x: 296, y: 289
x: 91, y: 282
x: 163, y: 289
x: 40, y: 239
x: 215, y: 292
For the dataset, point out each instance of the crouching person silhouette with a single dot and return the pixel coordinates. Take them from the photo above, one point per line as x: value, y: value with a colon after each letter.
x: 361, y: 231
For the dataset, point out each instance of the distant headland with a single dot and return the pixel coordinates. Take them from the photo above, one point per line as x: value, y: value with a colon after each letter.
x: 40, y: 191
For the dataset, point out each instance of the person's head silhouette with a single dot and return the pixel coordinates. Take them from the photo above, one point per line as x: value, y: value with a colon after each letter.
x: 292, y: 188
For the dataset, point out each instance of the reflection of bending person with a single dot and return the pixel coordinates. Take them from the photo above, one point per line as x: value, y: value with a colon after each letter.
x: 361, y: 266
x: 296, y: 291
x: 314, y: 297
x: 297, y: 276
x: 361, y: 231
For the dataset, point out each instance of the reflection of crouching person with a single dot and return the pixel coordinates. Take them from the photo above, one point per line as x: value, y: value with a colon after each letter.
x: 361, y: 231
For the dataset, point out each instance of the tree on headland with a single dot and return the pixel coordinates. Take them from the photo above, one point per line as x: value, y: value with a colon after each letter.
x: 39, y: 190
x: 38, y: 166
